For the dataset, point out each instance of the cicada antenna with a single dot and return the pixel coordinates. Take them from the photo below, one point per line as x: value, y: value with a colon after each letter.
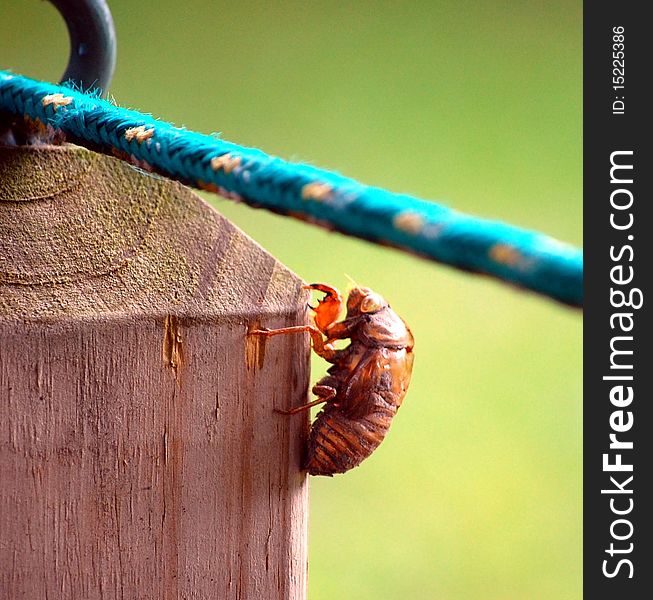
x: 352, y: 283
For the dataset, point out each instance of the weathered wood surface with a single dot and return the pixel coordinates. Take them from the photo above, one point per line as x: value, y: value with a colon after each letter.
x: 140, y: 456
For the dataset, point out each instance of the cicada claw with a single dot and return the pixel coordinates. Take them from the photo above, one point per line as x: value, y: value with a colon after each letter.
x: 328, y: 309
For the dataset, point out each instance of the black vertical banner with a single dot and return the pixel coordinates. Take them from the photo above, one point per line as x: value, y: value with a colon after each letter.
x: 618, y: 336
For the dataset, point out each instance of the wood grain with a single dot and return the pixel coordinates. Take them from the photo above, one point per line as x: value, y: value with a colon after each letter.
x: 140, y: 456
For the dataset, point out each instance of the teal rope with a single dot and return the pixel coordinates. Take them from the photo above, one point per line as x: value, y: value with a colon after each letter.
x: 524, y: 258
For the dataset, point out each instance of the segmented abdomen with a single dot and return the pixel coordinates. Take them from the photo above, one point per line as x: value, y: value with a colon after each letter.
x: 338, y: 443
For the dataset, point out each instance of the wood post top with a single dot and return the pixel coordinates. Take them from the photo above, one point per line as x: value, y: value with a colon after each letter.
x: 83, y: 235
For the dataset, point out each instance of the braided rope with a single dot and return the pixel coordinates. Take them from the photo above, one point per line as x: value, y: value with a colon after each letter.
x: 524, y: 258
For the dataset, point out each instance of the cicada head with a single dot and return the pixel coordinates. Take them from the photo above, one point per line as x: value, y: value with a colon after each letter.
x: 363, y: 300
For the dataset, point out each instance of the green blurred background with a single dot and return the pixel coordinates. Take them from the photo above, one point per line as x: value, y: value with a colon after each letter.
x: 477, y: 491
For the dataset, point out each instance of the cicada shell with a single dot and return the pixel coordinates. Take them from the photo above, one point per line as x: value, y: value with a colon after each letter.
x: 366, y: 383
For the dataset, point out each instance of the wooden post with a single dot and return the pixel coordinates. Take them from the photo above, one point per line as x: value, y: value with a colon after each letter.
x: 140, y: 456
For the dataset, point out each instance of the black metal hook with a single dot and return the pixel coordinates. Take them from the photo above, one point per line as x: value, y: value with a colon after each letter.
x: 92, y: 43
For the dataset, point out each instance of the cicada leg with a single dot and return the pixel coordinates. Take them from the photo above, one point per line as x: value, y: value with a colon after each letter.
x: 325, y: 393
x: 298, y: 409
x: 328, y: 308
x: 322, y: 348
